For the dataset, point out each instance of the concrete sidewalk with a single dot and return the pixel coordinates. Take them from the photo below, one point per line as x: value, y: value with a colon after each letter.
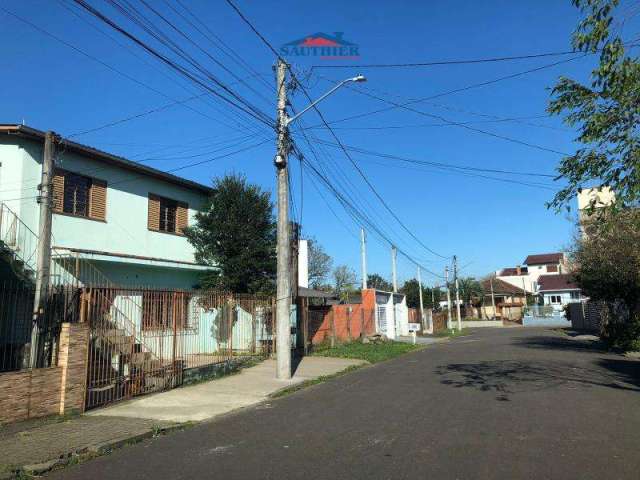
x: 36, y: 446
x: 210, y: 399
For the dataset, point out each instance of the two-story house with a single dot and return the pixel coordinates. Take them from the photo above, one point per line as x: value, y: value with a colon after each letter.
x: 126, y: 218
x: 526, y: 276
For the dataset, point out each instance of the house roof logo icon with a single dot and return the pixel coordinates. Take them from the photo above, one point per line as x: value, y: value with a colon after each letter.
x: 321, y: 45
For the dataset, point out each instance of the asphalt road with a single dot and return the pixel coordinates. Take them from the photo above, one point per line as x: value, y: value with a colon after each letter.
x: 499, y: 404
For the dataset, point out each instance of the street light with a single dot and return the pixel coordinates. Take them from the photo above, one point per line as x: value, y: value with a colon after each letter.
x: 356, y: 79
x: 283, y: 280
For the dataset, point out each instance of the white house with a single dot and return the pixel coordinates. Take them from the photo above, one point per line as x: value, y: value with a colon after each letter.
x: 558, y: 290
x: 526, y: 277
x: 127, y: 218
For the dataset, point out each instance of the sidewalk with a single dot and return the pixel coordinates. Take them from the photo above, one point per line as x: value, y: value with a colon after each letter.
x: 39, y: 445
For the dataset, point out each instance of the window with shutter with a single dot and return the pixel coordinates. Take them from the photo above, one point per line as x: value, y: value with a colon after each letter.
x: 78, y: 195
x: 98, y: 200
x: 153, y: 215
x: 166, y: 215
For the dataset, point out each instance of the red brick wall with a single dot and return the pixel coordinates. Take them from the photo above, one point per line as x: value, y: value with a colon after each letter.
x: 48, y: 391
x: 347, y: 320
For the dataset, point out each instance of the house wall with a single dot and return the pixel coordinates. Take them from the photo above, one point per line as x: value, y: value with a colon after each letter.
x: 49, y: 391
x: 565, y: 297
x: 125, y: 229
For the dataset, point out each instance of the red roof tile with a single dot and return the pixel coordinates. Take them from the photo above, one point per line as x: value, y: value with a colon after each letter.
x: 543, y: 258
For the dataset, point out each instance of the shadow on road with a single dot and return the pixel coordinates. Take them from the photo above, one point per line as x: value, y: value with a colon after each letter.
x: 508, y: 377
x: 560, y: 343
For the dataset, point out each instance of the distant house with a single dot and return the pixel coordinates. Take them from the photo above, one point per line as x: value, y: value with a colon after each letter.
x: 124, y: 217
x: 509, y: 300
x: 526, y: 277
x: 558, y: 290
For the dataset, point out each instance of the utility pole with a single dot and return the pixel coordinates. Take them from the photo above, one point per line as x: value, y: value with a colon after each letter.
x: 446, y: 278
x: 455, y: 277
x: 493, y: 298
x: 283, y: 286
x: 421, y: 302
x: 394, y: 274
x: 363, y: 255
x: 43, y: 255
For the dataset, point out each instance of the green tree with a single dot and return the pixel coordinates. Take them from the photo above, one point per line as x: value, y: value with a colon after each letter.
x: 605, y: 110
x: 319, y: 263
x: 608, y: 260
x: 235, y: 232
x: 378, y: 282
x: 411, y: 289
x: 471, y: 291
x: 344, y: 281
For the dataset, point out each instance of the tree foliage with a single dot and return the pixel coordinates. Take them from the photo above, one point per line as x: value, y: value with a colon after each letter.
x: 320, y: 264
x: 608, y: 269
x: 345, y: 281
x: 471, y: 291
x: 236, y: 233
x: 378, y: 282
x: 411, y: 289
x: 606, y: 111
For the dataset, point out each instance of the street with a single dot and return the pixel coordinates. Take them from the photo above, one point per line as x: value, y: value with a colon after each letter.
x: 505, y: 403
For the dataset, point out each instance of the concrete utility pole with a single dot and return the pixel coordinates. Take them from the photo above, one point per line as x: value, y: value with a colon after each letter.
x: 363, y: 254
x: 43, y: 255
x: 394, y: 273
x: 283, y: 287
x: 455, y: 277
x: 446, y: 278
x: 421, y: 302
x: 493, y: 298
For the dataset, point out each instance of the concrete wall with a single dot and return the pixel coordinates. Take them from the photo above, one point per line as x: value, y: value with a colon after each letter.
x: 49, y: 391
x: 482, y: 323
x: 125, y: 229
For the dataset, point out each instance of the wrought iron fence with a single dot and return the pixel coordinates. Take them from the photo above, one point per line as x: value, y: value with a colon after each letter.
x: 16, y: 324
x: 143, y: 339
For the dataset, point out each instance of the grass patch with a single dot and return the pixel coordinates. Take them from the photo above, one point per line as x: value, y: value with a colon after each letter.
x: 452, y: 333
x: 370, y: 352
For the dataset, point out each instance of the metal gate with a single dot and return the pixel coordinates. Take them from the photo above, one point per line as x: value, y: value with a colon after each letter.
x: 120, y: 364
x: 382, y: 319
x: 143, y: 340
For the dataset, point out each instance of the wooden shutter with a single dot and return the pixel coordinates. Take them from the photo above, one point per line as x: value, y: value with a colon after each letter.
x: 98, y: 199
x: 58, y: 191
x: 153, y: 216
x: 182, y: 217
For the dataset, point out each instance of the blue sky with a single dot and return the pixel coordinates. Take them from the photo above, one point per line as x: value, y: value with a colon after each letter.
x: 488, y: 224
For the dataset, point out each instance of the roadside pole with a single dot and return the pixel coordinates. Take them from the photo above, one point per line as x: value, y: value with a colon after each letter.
x: 283, y: 287
x: 43, y: 255
x: 493, y: 298
x: 363, y: 255
x: 394, y: 274
x: 446, y: 278
x: 421, y: 302
x: 455, y: 277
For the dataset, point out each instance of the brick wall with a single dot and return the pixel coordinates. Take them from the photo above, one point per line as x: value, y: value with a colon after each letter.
x: 344, y: 322
x: 49, y: 391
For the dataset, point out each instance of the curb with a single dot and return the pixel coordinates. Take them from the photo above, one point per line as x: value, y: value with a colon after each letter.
x: 90, y: 451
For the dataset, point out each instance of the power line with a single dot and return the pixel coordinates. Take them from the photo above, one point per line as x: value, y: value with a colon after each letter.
x: 106, y: 65
x: 244, y: 106
x: 462, y: 125
x: 355, y: 165
x: 457, y: 90
x: 451, y: 62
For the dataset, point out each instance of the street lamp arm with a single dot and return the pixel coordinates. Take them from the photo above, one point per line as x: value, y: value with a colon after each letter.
x: 359, y: 78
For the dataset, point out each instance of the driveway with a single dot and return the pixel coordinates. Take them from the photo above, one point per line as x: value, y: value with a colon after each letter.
x: 510, y: 403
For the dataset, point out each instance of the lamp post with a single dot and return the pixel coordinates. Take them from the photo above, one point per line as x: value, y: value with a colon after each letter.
x: 283, y: 281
